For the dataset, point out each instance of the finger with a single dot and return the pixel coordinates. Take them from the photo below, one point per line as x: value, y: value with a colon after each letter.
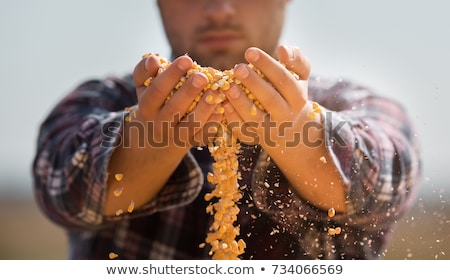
x: 203, y: 110
x: 208, y: 131
x: 295, y: 60
x: 264, y: 92
x: 154, y: 96
x: 201, y: 124
x: 280, y: 77
x: 146, y: 68
x: 245, y: 131
x: 185, y: 98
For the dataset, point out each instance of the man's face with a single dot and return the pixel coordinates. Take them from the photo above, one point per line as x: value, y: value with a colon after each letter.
x: 217, y: 32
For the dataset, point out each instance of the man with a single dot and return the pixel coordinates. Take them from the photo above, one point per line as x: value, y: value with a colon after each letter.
x: 356, y: 154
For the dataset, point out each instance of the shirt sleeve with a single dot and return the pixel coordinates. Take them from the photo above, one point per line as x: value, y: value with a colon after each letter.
x: 374, y: 146
x: 75, y: 143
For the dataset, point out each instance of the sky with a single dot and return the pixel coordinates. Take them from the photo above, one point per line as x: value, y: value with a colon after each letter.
x: 399, y: 48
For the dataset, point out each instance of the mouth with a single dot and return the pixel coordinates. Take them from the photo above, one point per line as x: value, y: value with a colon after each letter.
x: 216, y: 40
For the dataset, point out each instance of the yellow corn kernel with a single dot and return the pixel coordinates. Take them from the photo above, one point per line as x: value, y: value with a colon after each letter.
x: 112, y: 255
x: 223, y: 232
x: 253, y: 110
x: 331, y: 212
x: 130, y: 207
x: 220, y: 98
x: 118, y: 192
x: 209, y: 99
x: 311, y: 115
x: 192, y: 107
x: 220, y: 110
x: 225, y: 86
x: 118, y: 177
x: 148, y: 81
x: 214, y: 86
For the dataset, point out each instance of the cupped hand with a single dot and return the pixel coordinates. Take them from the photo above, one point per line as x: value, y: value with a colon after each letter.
x: 283, y: 94
x: 165, y: 111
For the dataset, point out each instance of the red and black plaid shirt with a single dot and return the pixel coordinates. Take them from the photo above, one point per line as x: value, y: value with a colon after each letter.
x: 369, y: 138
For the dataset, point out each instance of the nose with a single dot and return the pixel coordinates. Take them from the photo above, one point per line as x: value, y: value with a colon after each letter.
x: 219, y: 11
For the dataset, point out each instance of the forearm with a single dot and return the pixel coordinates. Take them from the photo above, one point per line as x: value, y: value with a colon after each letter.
x: 308, y: 166
x: 143, y: 169
x: 375, y: 158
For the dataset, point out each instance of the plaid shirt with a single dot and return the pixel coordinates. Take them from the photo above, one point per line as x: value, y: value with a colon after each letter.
x: 369, y: 137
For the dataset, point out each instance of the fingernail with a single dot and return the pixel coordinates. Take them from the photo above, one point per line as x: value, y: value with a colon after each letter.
x: 252, y: 54
x: 184, y: 64
x: 233, y: 93
x: 198, y: 81
x: 241, y: 72
x: 290, y: 53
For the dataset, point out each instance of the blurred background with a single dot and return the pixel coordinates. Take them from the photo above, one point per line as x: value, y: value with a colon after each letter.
x: 399, y: 48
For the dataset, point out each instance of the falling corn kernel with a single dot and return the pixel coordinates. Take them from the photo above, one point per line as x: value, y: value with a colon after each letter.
x: 311, y: 115
x: 118, y: 177
x: 118, y: 192
x: 338, y: 230
x: 112, y: 255
x: 201, y: 245
x: 331, y: 212
x: 119, y: 212
x: 222, y: 236
x: 323, y: 159
x: 331, y: 231
x: 130, y: 207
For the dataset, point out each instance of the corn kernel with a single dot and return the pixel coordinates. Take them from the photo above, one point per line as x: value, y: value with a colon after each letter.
x: 331, y: 212
x: 130, y: 207
x: 224, y: 149
x: 118, y: 177
x: 112, y: 255
x: 220, y: 110
x: 148, y: 81
x: 253, y: 110
x: 118, y: 192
